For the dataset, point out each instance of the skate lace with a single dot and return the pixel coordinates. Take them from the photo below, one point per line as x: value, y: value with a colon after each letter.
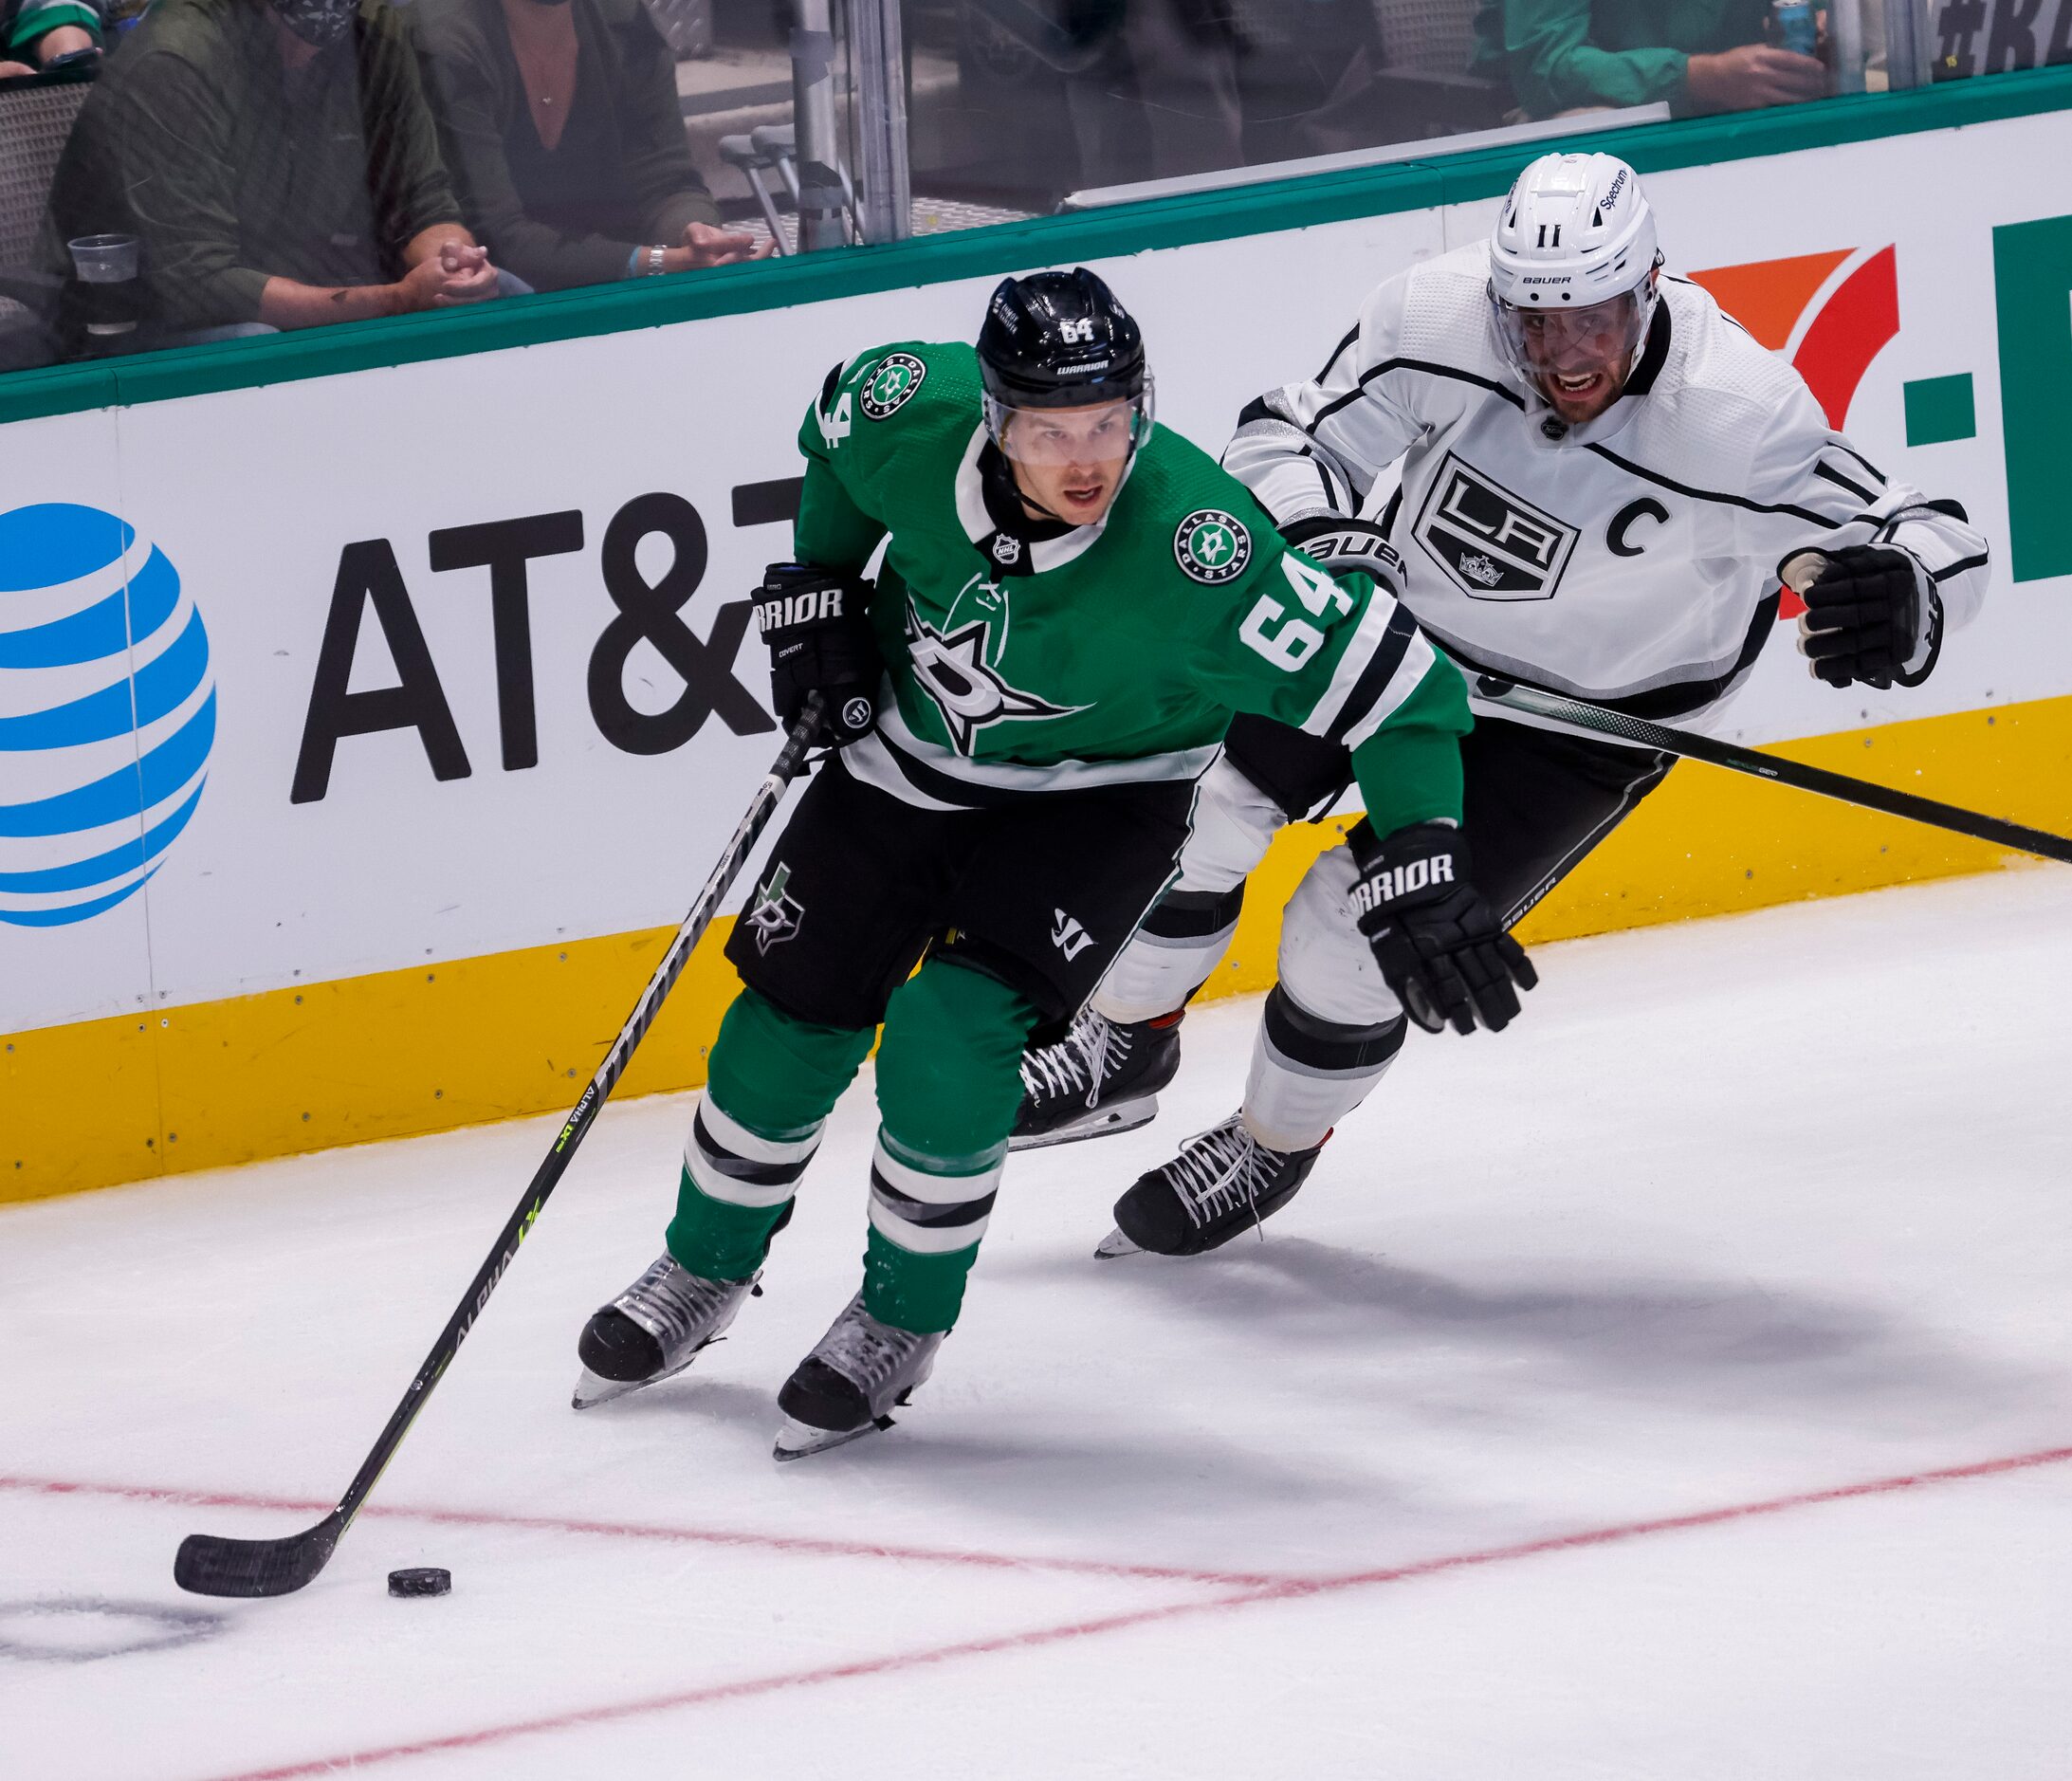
x: 864, y: 1351
x: 668, y: 1301
x: 1221, y: 1170
x: 1087, y: 1057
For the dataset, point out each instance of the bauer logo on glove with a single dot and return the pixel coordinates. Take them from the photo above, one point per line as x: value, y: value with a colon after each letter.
x: 1347, y: 545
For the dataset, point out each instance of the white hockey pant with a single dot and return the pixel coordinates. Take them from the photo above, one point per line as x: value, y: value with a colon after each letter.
x: 1331, y: 1028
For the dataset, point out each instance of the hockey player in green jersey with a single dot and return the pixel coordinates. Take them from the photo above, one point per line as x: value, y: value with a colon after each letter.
x: 1072, y: 603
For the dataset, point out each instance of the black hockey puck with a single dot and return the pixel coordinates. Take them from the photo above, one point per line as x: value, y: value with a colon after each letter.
x: 428, y: 1580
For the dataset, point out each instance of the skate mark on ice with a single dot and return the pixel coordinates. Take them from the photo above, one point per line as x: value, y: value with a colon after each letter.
x: 1291, y: 1589
x: 799, y: 1544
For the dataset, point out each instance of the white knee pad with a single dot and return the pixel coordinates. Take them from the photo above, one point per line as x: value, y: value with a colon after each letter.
x: 1325, y: 961
x: 1333, y: 1027
x: 1234, y: 825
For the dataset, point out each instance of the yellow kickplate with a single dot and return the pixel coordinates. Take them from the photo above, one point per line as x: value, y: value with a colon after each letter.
x: 513, y: 1032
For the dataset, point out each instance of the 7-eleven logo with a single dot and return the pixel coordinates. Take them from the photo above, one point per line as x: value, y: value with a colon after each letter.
x: 1830, y: 314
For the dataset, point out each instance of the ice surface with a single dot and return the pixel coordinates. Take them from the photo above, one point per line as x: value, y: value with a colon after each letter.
x: 1742, y: 1211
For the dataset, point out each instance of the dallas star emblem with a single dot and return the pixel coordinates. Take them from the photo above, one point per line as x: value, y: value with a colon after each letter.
x: 952, y: 669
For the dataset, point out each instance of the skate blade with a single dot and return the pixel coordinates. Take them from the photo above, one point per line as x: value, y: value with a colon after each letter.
x: 590, y: 1390
x: 1101, y: 1122
x: 800, y: 1440
x: 1115, y: 1244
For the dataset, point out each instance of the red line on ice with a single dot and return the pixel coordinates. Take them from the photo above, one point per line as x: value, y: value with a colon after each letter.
x: 1286, y: 1591
x: 797, y: 1544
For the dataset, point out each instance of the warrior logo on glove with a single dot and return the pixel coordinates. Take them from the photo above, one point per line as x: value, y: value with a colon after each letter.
x: 817, y: 623
x: 1433, y: 936
x: 1390, y: 884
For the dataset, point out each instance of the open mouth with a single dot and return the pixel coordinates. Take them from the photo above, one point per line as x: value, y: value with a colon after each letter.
x: 1579, y: 385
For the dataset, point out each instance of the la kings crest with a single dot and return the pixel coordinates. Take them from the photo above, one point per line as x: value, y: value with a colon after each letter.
x: 957, y: 667
x: 1491, y: 544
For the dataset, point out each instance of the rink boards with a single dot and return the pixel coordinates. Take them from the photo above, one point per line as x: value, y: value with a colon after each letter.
x: 476, y: 705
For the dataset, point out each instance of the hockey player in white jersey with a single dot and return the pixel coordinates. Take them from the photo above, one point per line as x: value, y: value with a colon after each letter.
x: 1603, y: 481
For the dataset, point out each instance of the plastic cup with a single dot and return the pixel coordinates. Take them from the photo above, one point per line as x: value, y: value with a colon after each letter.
x: 105, y: 259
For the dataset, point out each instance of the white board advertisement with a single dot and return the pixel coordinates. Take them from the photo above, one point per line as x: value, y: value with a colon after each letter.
x: 455, y: 657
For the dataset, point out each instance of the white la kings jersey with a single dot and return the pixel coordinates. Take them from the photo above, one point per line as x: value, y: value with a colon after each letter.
x: 1633, y: 560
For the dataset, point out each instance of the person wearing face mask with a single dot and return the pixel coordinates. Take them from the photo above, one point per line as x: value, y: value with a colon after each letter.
x: 560, y: 121
x: 278, y: 163
x: 1589, y: 480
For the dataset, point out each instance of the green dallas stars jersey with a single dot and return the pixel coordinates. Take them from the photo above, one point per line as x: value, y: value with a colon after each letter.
x: 1113, y: 652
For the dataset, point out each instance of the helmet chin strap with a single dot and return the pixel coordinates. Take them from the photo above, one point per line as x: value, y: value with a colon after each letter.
x: 1028, y: 500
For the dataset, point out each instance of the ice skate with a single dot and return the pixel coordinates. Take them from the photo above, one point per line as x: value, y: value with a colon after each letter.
x: 1103, y: 1076
x: 858, y: 1373
x: 653, y: 1329
x: 1223, y: 1181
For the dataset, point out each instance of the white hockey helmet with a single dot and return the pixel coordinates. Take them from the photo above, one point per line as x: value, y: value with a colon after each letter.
x: 1575, y: 232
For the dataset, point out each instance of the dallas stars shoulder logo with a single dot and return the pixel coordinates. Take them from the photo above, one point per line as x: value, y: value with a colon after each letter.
x: 952, y: 668
x: 1211, y: 545
x: 898, y: 375
x: 774, y: 915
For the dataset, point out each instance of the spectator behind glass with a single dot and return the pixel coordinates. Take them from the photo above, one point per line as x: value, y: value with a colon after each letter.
x: 1583, y: 55
x: 278, y: 161
x: 35, y: 33
x: 560, y: 122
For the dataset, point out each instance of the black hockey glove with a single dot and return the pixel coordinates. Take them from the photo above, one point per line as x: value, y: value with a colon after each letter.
x: 1352, y: 546
x: 1864, y: 618
x: 1435, y: 938
x: 818, y: 625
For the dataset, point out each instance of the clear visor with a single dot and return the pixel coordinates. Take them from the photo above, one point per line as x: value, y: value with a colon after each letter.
x: 1104, y: 432
x: 1572, y: 343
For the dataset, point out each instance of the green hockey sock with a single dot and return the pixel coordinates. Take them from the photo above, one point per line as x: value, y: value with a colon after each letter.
x: 949, y: 1082
x: 773, y: 1081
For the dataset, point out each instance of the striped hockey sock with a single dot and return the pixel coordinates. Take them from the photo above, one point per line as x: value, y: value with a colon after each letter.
x: 926, y: 1216
x: 736, y: 1190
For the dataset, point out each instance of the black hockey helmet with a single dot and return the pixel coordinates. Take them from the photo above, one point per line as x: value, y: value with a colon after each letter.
x: 1060, y: 340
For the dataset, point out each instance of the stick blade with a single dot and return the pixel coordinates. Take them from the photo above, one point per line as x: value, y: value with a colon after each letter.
x: 209, y: 1564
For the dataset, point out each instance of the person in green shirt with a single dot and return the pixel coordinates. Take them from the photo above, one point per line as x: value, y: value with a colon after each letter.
x: 278, y: 164
x: 34, y: 34
x: 1070, y: 605
x: 1697, y: 55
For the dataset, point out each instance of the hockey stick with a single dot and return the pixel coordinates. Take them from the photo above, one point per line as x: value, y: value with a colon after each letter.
x: 1719, y: 754
x: 212, y: 1566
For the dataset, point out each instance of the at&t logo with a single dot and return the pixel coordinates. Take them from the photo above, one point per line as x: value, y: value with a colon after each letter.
x: 107, y: 713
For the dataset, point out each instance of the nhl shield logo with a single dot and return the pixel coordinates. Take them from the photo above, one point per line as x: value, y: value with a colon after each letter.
x: 1491, y: 544
x: 896, y: 378
x: 1210, y: 545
